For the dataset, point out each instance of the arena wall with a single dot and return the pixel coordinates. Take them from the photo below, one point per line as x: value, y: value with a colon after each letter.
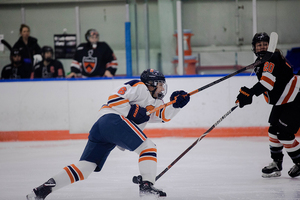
x: 66, y: 109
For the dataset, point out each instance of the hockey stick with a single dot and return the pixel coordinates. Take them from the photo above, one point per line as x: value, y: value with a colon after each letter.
x: 268, y: 55
x: 6, y: 44
x: 138, y: 179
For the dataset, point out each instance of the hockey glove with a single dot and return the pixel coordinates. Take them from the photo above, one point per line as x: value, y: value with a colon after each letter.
x: 138, y: 114
x: 245, y: 97
x: 181, y: 97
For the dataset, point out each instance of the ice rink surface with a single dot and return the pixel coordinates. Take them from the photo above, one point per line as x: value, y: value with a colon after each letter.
x: 215, y: 169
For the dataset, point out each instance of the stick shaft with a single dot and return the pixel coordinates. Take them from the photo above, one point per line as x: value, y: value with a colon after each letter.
x: 210, y: 84
x: 194, y: 144
x: 207, y: 86
x: 270, y: 51
x: 6, y: 44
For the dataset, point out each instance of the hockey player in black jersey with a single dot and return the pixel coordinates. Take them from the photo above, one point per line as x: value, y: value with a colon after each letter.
x: 94, y: 58
x: 280, y: 88
x: 48, y: 67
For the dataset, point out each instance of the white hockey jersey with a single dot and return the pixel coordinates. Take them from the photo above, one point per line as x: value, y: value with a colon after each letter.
x: 136, y: 92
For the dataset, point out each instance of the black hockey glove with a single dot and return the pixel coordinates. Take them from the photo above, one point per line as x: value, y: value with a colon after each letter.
x: 138, y: 114
x: 181, y: 97
x: 245, y: 97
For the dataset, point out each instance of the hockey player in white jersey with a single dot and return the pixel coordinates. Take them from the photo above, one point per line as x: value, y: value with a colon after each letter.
x: 121, y: 123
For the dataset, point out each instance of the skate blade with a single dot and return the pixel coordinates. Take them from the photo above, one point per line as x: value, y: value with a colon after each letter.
x: 31, y: 196
x: 274, y: 174
x: 294, y: 175
x: 149, y: 196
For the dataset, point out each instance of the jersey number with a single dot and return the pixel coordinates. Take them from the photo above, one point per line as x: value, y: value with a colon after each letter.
x: 122, y: 90
x: 268, y: 67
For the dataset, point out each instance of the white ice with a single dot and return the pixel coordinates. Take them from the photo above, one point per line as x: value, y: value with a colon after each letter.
x: 215, y: 169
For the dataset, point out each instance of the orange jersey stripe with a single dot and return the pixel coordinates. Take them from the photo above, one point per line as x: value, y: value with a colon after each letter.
x: 163, y: 116
x: 157, y: 113
x: 111, y: 64
x: 134, y: 128
x: 70, y: 174
x: 273, y: 140
x: 138, y: 83
x: 147, y: 158
x: 266, y: 79
x: 75, y: 62
x: 105, y: 107
x: 295, y: 143
x: 78, y: 172
x: 266, y: 97
x: 291, y: 90
x: 113, y: 96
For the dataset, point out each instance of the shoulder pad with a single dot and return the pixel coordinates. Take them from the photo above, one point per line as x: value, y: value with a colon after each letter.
x: 132, y: 82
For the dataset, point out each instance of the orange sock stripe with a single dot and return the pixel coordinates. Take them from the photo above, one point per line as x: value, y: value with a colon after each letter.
x: 149, y: 150
x: 70, y: 174
x: 148, y: 158
x: 78, y: 172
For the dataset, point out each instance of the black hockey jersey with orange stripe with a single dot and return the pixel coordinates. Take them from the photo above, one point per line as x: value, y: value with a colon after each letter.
x: 93, y: 62
x: 277, y: 78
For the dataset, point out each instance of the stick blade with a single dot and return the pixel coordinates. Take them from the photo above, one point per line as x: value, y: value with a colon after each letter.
x: 273, y: 42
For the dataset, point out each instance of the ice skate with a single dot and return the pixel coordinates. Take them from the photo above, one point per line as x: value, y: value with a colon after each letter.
x: 272, y: 170
x: 295, y: 170
x: 42, y: 191
x: 147, y: 189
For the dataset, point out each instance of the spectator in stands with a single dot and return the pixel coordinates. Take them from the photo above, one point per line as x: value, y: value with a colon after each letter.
x: 18, y: 68
x: 28, y: 45
x: 48, y: 67
x: 94, y: 58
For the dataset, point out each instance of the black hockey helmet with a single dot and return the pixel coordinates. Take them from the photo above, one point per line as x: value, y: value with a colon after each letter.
x: 15, y: 52
x: 258, y: 37
x: 90, y: 33
x: 151, y: 77
x: 47, y: 49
